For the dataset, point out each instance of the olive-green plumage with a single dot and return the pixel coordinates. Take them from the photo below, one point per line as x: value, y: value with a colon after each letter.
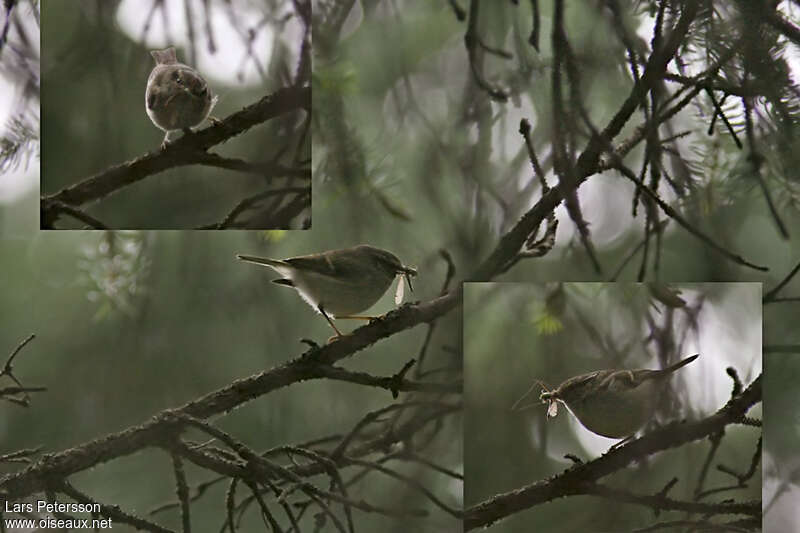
x: 340, y: 282
x: 614, y: 403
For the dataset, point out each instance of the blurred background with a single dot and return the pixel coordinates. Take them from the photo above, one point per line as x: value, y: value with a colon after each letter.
x: 128, y: 323
x: 408, y: 155
x: 516, y: 333
x: 405, y: 139
x: 404, y: 135
x: 781, y: 442
x: 19, y: 106
x: 95, y: 67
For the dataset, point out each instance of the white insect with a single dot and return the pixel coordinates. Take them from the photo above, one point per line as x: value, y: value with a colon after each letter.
x: 400, y: 292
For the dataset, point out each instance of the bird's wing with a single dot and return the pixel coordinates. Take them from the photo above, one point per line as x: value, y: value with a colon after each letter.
x: 323, y: 265
x: 312, y: 263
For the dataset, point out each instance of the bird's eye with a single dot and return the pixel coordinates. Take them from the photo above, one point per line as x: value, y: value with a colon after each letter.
x: 177, y: 78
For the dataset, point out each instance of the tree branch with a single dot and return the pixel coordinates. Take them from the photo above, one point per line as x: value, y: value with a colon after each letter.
x: 575, y: 480
x: 36, y: 477
x: 188, y: 150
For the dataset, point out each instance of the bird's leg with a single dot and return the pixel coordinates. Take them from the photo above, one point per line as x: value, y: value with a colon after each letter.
x: 321, y: 310
x: 165, y: 142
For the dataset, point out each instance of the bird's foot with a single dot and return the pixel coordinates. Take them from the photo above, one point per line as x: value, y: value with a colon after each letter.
x: 165, y: 142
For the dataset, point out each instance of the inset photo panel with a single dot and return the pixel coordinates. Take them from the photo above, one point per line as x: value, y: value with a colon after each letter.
x: 175, y: 114
x: 782, y: 439
x: 612, y: 407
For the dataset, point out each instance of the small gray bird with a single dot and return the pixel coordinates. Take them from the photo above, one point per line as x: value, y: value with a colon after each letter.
x: 340, y: 283
x: 177, y: 96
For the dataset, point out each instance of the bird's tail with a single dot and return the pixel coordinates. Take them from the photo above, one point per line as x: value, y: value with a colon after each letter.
x: 681, y: 363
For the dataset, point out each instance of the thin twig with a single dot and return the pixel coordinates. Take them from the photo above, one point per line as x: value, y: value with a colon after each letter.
x: 771, y: 296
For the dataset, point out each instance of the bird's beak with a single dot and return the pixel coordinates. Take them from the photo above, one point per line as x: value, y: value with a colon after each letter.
x: 252, y: 259
x: 408, y: 273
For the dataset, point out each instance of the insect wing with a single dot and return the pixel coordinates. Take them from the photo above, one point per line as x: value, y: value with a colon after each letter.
x: 400, y: 292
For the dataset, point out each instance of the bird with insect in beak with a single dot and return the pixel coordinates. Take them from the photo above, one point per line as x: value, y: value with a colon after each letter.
x: 611, y: 403
x: 341, y: 283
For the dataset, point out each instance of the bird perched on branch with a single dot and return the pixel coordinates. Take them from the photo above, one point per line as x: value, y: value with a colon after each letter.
x: 341, y: 283
x: 611, y: 403
x: 177, y: 96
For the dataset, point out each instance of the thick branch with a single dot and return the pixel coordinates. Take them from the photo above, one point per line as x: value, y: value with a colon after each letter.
x: 784, y: 26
